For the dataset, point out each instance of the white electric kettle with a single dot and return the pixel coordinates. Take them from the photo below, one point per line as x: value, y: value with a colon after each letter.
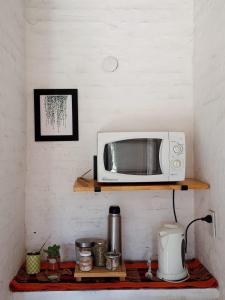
x: 171, y: 253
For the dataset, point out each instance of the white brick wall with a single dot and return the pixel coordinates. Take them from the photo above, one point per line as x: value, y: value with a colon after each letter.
x: 209, y: 61
x: 12, y: 141
x: 67, y: 42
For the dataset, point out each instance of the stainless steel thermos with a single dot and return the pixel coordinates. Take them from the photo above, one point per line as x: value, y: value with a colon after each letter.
x: 114, y: 230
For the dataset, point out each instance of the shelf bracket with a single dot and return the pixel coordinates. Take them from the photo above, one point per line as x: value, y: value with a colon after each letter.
x: 184, y: 187
x: 97, y: 188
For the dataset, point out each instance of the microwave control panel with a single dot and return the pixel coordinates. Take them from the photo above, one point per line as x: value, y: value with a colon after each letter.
x: 177, y: 155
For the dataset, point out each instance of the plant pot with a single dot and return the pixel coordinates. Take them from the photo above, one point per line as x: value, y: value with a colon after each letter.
x: 53, y: 268
x: 33, y: 263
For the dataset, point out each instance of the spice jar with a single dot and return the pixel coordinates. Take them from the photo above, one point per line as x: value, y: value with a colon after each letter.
x: 112, y: 260
x: 84, y: 244
x: 100, y: 249
x: 86, y: 261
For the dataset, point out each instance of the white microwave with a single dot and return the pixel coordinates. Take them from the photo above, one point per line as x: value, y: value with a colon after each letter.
x: 140, y: 157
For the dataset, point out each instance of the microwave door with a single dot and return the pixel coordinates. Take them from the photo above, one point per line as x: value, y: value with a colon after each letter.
x: 138, y: 159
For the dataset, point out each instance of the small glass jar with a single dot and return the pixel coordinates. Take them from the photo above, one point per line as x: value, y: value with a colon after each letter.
x: 53, y: 268
x: 112, y: 260
x: 84, y: 244
x: 86, y: 261
x: 100, y: 249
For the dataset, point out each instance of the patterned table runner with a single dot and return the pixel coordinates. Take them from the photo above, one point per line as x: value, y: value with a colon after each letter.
x: 199, y: 278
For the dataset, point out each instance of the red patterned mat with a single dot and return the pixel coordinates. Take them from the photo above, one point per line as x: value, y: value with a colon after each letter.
x: 199, y: 278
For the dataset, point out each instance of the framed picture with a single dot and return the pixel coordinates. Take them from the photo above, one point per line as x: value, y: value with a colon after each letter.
x: 56, y: 115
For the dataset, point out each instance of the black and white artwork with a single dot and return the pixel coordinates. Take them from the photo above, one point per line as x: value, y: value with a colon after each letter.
x: 56, y: 115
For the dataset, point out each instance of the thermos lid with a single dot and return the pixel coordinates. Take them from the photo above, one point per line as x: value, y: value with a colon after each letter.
x: 114, y: 209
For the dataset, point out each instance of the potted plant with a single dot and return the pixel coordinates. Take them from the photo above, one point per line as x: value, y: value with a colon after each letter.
x: 53, y: 259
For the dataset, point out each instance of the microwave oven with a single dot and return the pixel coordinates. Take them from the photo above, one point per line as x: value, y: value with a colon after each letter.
x: 125, y: 157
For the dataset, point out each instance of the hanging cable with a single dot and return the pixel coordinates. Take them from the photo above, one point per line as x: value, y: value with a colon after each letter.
x: 207, y: 219
x: 174, y: 209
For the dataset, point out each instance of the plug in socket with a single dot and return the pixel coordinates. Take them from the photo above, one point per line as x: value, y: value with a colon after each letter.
x: 213, y: 224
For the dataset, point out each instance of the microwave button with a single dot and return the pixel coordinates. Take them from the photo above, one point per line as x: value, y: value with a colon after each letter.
x: 178, y: 148
x: 176, y: 163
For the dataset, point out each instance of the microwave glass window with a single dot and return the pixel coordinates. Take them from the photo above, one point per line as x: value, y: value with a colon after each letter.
x: 133, y: 157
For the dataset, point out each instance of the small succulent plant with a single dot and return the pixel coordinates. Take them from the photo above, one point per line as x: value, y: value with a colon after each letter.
x: 53, y: 251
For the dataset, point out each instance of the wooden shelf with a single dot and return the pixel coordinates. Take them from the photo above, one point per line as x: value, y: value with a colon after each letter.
x: 82, y: 185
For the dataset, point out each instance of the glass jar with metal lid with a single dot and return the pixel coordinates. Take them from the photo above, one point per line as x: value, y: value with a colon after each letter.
x: 100, y: 249
x: 83, y: 244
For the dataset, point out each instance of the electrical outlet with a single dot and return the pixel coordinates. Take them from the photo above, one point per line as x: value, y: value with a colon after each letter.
x: 213, y: 224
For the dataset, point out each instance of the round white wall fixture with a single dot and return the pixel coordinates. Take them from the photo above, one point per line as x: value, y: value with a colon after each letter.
x: 110, y: 64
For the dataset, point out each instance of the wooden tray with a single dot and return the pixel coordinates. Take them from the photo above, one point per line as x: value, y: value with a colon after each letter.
x: 101, y: 272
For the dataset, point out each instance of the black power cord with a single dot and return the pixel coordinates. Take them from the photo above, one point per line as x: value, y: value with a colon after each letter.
x: 174, y: 209
x: 207, y: 219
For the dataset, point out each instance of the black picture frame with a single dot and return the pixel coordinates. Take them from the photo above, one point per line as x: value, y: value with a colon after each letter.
x: 39, y: 137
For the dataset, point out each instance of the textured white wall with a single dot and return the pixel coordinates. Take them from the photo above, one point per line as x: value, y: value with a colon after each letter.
x: 67, y: 42
x: 209, y: 61
x: 12, y: 141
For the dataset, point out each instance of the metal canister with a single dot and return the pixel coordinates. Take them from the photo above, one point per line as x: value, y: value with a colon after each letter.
x: 100, y: 249
x: 114, y: 230
x: 112, y: 260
